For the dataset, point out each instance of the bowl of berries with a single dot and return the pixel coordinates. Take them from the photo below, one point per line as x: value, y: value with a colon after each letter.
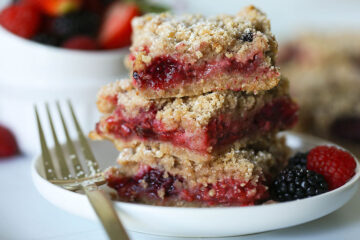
x: 60, y: 49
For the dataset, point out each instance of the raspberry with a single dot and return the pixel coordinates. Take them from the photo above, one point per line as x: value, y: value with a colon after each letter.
x: 298, y: 160
x: 8, y: 145
x: 21, y: 19
x: 296, y: 183
x: 80, y: 43
x: 336, y: 165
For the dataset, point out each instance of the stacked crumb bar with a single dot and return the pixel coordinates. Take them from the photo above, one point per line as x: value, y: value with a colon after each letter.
x: 196, y: 124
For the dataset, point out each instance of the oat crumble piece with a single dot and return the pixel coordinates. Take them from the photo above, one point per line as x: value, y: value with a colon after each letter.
x: 193, y: 127
x: 176, y: 56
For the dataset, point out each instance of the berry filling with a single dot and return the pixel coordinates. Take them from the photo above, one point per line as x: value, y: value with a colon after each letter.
x: 346, y: 128
x: 228, y: 192
x: 156, y: 185
x: 165, y: 72
x: 279, y: 114
x: 148, y: 183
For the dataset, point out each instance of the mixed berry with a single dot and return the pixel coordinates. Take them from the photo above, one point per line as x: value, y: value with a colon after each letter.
x: 75, y: 24
x: 132, y: 188
x: 151, y: 183
x: 322, y: 169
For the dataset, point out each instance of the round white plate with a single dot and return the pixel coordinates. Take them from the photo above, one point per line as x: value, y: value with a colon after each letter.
x: 203, y: 222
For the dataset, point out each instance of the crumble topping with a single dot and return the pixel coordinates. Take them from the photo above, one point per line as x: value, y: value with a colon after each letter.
x: 195, y: 37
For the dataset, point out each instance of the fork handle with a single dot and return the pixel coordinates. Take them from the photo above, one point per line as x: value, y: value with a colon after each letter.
x: 106, y: 212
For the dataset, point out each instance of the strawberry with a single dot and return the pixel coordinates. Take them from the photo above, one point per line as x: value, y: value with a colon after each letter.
x: 80, y: 43
x: 58, y: 7
x: 336, y: 165
x: 21, y: 19
x: 8, y: 145
x: 116, y: 28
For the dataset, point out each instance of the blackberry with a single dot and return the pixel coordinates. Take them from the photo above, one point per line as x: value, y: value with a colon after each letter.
x: 47, y: 39
x: 135, y: 75
x: 247, y: 36
x: 298, y: 160
x: 297, y: 183
x: 76, y: 23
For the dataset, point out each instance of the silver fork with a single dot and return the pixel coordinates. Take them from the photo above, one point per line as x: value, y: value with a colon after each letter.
x: 81, y: 181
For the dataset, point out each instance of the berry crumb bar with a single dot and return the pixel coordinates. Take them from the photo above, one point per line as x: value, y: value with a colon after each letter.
x: 175, y: 56
x: 192, y: 127
x: 237, y: 177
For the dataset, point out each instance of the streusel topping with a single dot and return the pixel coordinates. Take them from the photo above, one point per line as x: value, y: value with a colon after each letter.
x: 194, y: 37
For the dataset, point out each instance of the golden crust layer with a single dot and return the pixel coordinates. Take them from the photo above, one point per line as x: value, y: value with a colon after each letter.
x: 218, y: 82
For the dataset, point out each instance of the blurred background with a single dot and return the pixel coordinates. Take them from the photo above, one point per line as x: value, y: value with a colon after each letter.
x: 69, y: 48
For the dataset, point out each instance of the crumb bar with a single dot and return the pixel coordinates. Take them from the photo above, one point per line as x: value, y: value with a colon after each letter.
x: 176, y: 56
x: 237, y: 177
x: 192, y: 127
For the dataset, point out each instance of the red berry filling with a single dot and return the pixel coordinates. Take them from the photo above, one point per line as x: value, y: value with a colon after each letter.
x: 147, y: 183
x: 228, y: 192
x: 112, y: 99
x: 166, y: 72
x: 153, y: 184
x: 280, y: 114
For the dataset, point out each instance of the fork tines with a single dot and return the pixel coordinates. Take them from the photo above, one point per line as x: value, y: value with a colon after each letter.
x: 50, y: 173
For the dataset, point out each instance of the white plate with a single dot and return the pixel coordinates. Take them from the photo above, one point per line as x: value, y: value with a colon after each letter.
x: 203, y: 222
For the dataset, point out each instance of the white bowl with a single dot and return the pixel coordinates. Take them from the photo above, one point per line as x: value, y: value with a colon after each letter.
x: 203, y: 222
x: 34, y: 73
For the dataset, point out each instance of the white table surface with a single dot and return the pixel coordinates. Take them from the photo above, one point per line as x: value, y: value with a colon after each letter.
x: 24, y: 214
